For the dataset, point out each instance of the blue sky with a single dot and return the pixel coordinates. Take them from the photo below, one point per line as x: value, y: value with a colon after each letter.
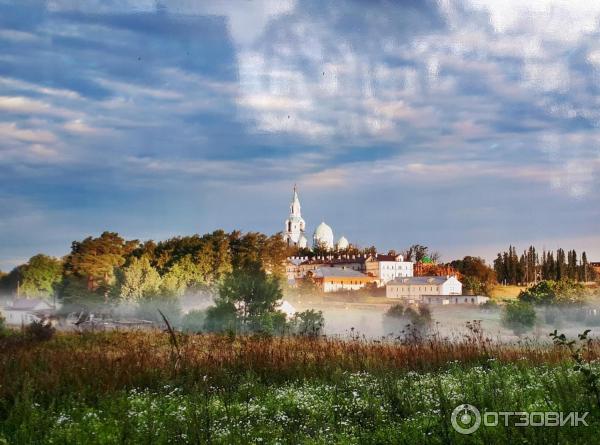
x: 464, y: 125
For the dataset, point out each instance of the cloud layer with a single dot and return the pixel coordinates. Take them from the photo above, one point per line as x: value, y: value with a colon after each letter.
x: 460, y: 124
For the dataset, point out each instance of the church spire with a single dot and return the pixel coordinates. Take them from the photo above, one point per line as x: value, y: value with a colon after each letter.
x: 294, y: 225
x: 295, y: 205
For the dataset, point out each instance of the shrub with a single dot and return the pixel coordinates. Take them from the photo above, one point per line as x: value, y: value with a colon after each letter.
x: 221, y: 318
x: 395, y: 311
x: 193, y: 321
x: 270, y: 323
x: 39, y: 331
x: 414, y: 322
x: 519, y: 316
x: 309, y: 323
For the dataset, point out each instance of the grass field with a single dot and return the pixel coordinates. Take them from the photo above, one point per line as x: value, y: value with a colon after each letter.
x: 506, y: 292
x: 138, y: 388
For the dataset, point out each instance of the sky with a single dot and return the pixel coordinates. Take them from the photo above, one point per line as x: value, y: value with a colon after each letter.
x: 463, y: 125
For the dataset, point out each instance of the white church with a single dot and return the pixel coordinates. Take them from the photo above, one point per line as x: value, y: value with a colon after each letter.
x: 294, y: 231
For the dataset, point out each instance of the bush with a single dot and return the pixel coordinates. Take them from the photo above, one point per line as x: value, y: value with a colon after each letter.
x: 414, y: 322
x: 221, y: 318
x: 148, y: 310
x: 193, y: 321
x: 39, y: 331
x: 309, y: 323
x: 519, y: 316
x: 553, y: 292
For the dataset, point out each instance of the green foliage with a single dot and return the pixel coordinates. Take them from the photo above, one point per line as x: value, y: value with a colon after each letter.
x: 40, y: 276
x: 268, y: 323
x: 10, y: 281
x: 221, y: 318
x: 530, y: 266
x: 579, y: 350
x: 519, y: 316
x: 148, y: 309
x: 251, y: 291
x: 550, y: 292
x: 194, y: 321
x: 185, y: 275
x: 416, y: 253
x: 344, y: 407
x: 89, y: 269
x: 138, y: 281
x: 308, y: 323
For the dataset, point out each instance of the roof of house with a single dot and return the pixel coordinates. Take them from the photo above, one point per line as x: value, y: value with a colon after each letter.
x: 432, y: 280
x: 326, y: 272
x: 356, y: 260
x: 29, y: 304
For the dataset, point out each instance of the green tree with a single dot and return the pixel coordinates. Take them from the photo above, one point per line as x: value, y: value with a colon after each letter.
x: 416, y: 253
x: 138, y: 281
x: 549, y: 292
x: 518, y: 316
x: 40, y: 276
x: 247, y: 293
x: 89, y: 270
x: 184, y: 275
x: 11, y: 281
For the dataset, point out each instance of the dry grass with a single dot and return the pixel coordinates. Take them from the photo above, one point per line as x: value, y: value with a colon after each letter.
x: 506, y: 292
x: 98, y: 363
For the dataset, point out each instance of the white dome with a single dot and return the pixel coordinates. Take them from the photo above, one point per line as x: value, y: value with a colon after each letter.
x: 342, y: 243
x: 323, y: 235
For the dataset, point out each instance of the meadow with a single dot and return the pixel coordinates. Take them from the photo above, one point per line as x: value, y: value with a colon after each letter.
x: 157, y: 388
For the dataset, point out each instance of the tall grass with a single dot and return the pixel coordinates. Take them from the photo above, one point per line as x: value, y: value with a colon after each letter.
x: 123, y: 387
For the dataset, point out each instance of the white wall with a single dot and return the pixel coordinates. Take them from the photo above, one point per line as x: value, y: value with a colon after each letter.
x: 18, y: 317
x: 452, y: 287
x: 388, y: 270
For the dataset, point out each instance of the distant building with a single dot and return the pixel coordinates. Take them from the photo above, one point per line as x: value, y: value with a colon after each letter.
x: 295, y: 228
x: 333, y: 279
x: 454, y: 299
x: 26, y: 310
x: 293, y: 232
x: 382, y: 267
x: 323, y: 236
x: 413, y: 289
x: 388, y: 267
x: 286, y: 307
x: 596, y: 268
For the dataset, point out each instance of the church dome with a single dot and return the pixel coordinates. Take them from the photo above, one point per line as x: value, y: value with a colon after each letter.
x: 323, y: 235
x: 343, y: 243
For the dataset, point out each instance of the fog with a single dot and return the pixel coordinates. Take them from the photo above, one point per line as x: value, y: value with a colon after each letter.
x: 366, y: 321
x: 352, y: 320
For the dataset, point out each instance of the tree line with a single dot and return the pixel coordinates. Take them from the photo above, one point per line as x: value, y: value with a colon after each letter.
x: 111, y: 269
x: 531, y: 267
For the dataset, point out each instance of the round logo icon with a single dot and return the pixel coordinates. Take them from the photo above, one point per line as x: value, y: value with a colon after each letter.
x: 466, y: 419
